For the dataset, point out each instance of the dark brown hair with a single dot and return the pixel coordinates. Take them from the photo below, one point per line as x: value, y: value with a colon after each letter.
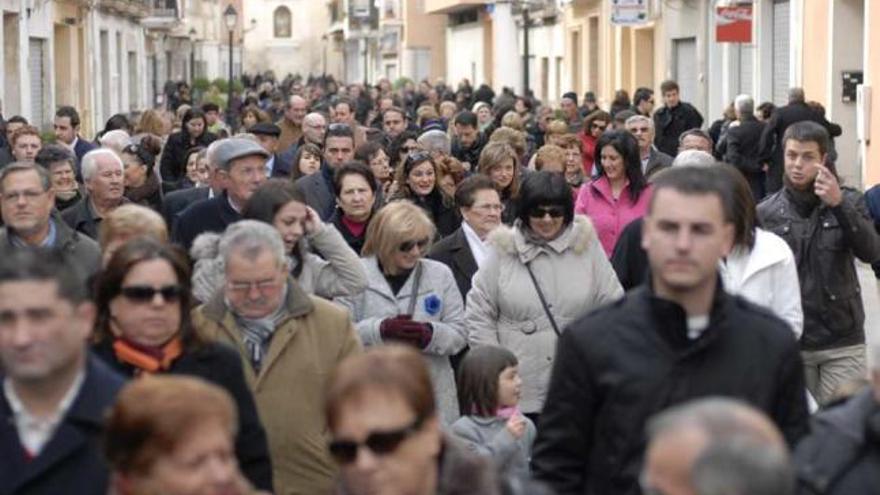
x: 477, y: 379
x: 744, y: 215
x: 309, y: 148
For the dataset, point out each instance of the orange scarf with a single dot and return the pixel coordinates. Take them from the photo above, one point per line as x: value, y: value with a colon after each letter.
x: 145, y: 359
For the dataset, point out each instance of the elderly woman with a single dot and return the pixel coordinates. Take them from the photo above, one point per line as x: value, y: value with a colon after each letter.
x: 174, y: 436
x: 542, y: 273
x: 499, y: 162
x: 619, y: 193
x: 194, y: 132
x: 355, y: 188
x: 417, y: 182
x: 115, y: 140
x: 141, y: 183
x: 411, y: 299
x: 126, y: 223
x: 143, y: 327
x: 61, y: 163
x: 334, y: 271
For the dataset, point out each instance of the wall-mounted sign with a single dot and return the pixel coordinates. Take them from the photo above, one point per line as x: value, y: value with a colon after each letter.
x: 629, y: 12
x: 733, y: 24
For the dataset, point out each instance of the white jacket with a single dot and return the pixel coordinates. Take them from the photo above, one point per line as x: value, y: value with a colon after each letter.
x: 767, y: 276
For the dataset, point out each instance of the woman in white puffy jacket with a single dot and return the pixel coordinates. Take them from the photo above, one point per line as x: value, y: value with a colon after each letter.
x: 761, y: 267
x: 563, y: 253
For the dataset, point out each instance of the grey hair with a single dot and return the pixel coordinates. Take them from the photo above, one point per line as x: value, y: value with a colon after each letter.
x: 45, y: 180
x: 741, y: 466
x: 115, y: 140
x: 720, y: 418
x: 89, y: 165
x: 246, y: 135
x: 250, y: 238
x: 312, y: 117
x: 695, y: 158
x: 744, y: 105
x: 435, y: 141
x: 639, y: 118
x: 796, y: 95
x: 210, y: 151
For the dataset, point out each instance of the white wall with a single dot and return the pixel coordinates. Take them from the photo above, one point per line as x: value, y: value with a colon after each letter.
x: 464, y: 54
x: 689, y: 22
x: 847, y: 54
x: 545, y: 41
x: 132, y: 37
x: 301, y: 53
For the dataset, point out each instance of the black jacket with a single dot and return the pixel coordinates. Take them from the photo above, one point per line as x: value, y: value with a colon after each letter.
x: 173, y: 163
x: 209, y: 215
x: 72, y: 461
x: 472, y: 154
x: 81, y: 218
x: 824, y: 244
x: 455, y: 252
x: 741, y: 144
x: 670, y: 123
x: 221, y: 366
x: 356, y: 243
x: 629, y: 260
x: 175, y: 202
x: 623, y: 363
x: 842, y: 455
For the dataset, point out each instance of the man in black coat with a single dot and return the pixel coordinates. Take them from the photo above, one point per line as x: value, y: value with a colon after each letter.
x: 66, y: 127
x: 740, y: 146
x: 771, y: 146
x: 469, y: 141
x: 673, y: 118
x: 241, y: 163
x: 676, y: 338
x: 54, y: 395
x: 278, y: 165
x: 318, y: 187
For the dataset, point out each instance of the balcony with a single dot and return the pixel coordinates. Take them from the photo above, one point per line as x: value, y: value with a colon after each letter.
x: 452, y: 6
x: 164, y: 15
x: 136, y: 9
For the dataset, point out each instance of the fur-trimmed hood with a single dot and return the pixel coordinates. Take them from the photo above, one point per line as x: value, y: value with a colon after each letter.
x: 578, y: 236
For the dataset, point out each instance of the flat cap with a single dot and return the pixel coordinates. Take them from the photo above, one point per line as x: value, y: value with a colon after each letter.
x: 265, y: 129
x: 235, y: 148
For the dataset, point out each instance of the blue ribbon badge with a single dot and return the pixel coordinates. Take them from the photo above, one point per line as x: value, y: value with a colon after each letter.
x: 433, y: 304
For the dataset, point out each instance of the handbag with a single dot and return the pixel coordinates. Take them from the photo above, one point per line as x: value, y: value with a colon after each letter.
x: 543, y: 300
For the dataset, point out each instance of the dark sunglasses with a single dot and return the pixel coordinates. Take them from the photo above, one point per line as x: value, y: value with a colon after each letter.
x: 597, y: 126
x: 144, y: 294
x: 379, y: 442
x: 407, y: 246
x: 541, y: 212
x: 339, y: 126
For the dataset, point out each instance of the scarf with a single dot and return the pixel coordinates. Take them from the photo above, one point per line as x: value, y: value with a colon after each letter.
x: 143, y: 193
x: 804, y: 202
x: 148, y: 359
x: 257, y: 333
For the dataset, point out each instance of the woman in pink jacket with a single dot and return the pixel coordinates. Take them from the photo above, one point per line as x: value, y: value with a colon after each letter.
x: 619, y: 193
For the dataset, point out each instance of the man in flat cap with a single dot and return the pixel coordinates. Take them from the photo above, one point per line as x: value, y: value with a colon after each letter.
x: 241, y: 165
x: 268, y: 135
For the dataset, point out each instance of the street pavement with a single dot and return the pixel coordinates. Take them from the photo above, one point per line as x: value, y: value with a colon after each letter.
x: 871, y: 299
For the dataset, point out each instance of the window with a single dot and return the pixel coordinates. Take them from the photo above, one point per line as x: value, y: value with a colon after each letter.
x: 282, y: 22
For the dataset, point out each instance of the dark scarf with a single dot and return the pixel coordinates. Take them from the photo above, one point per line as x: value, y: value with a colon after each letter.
x: 804, y: 201
x: 144, y: 193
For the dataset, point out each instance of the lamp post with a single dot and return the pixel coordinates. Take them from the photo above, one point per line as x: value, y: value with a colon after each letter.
x: 230, y: 17
x: 192, y: 56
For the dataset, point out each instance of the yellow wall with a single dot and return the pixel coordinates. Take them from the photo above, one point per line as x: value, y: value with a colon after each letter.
x: 872, y: 75
x: 815, y: 51
x: 427, y: 31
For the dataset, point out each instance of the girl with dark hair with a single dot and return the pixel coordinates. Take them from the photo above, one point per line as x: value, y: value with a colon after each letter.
x: 307, y: 161
x: 116, y: 122
x: 405, y: 143
x: 336, y: 272
x: 546, y: 270
x: 489, y: 389
x: 193, y: 133
x: 374, y: 155
x: 143, y: 327
x: 141, y: 183
x: 417, y: 182
x: 619, y: 193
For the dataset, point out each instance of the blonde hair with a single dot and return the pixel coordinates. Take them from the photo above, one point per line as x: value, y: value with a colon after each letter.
x: 493, y: 155
x: 549, y: 153
x: 567, y: 141
x: 512, y: 120
x: 131, y: 220
x: 511, y: 136
x: 556, y: 127
x: 151, y: 122
x: 426, y: 112
x: 394, y: 224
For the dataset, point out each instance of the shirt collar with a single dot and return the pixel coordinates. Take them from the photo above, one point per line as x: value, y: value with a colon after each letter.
x: 48, y: 241
x: 21, y: 413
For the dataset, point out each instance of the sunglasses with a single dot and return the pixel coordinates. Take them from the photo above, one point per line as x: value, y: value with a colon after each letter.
x: 143, y: 294
x: 541, y: 212
x: 407, y: 246
x: 379, y: 443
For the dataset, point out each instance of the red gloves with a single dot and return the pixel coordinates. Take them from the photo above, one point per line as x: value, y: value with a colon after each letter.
x: 403, y: 329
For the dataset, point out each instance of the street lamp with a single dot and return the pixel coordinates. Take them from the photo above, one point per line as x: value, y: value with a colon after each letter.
x: 192, y: 56
x: 230, y: 17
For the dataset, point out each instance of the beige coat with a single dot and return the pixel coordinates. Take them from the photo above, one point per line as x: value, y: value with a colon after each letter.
x: 290, y: 388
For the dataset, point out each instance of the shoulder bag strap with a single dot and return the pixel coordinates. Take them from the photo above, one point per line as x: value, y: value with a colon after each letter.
x: 543, y: 300
x: 414, y: 294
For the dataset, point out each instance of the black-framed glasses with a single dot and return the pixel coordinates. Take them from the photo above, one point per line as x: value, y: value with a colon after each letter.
x: 406, y: 246
x: 601, y: 127
x: 379, y: 443
x: 542, y: 211
x: 143, y: 294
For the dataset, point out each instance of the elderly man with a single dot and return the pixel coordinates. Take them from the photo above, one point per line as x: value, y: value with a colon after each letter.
x: 28, y: 200
x: 343, y: 113
x: 292, y: 123
x: 241, y: 166
x: 104, y: 177
x: 741, y: 145
x: 54, y: 396
x: 716, y: 446
x: 289, y: 342
x: 653, y: 160
x: 318, y: 187
x: 267, y: 135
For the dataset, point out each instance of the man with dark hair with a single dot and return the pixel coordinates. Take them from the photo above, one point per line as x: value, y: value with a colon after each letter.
x: 468, y: 142
x: 464, y: 250
x: 772, y: 144
x: 318, y: 187
x: 292, y: 123
x: 14, y: 123
x: 66, y: 127
x: 678, y: 337
x: 54, y: 395
x: 344, y: 113
x: 394, y: 121
x: 267, y: 135
x: 695, y: 139
x: 827, y: 227
x: 673, y: 118
x: 643, y: 101
x: 569, y: 106
x: 212, y: 118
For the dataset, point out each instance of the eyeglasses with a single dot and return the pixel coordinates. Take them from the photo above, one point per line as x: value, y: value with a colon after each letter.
x: 379, y: 442
x: 30, y: 195
x: 142, y: 294
x: 498, y: 207
x: 261, y: 285
x: 601, y: 127
x: 541, y: 212
x: 407, y: 246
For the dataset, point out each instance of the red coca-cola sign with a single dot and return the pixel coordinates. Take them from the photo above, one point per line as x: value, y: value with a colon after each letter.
x: 733, y: 24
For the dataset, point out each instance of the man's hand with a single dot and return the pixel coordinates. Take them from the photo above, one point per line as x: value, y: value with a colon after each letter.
x: 827, y: 187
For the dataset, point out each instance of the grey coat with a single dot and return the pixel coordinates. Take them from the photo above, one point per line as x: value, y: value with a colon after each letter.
x: 490, y: 437
x: 438, y: 302
x: 503, y: 307
x: 76, y: 248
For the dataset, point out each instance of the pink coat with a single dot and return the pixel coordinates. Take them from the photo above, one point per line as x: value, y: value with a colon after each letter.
x: 609, y: 215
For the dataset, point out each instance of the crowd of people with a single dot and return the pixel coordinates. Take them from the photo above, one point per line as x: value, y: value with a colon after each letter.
x: 433, y: 290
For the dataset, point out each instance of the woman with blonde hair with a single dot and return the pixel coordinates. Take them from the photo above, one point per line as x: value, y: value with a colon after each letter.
x: 410, y: 299
x: 499, y: 162
x: 152, y: 122
x: 127, y: 222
